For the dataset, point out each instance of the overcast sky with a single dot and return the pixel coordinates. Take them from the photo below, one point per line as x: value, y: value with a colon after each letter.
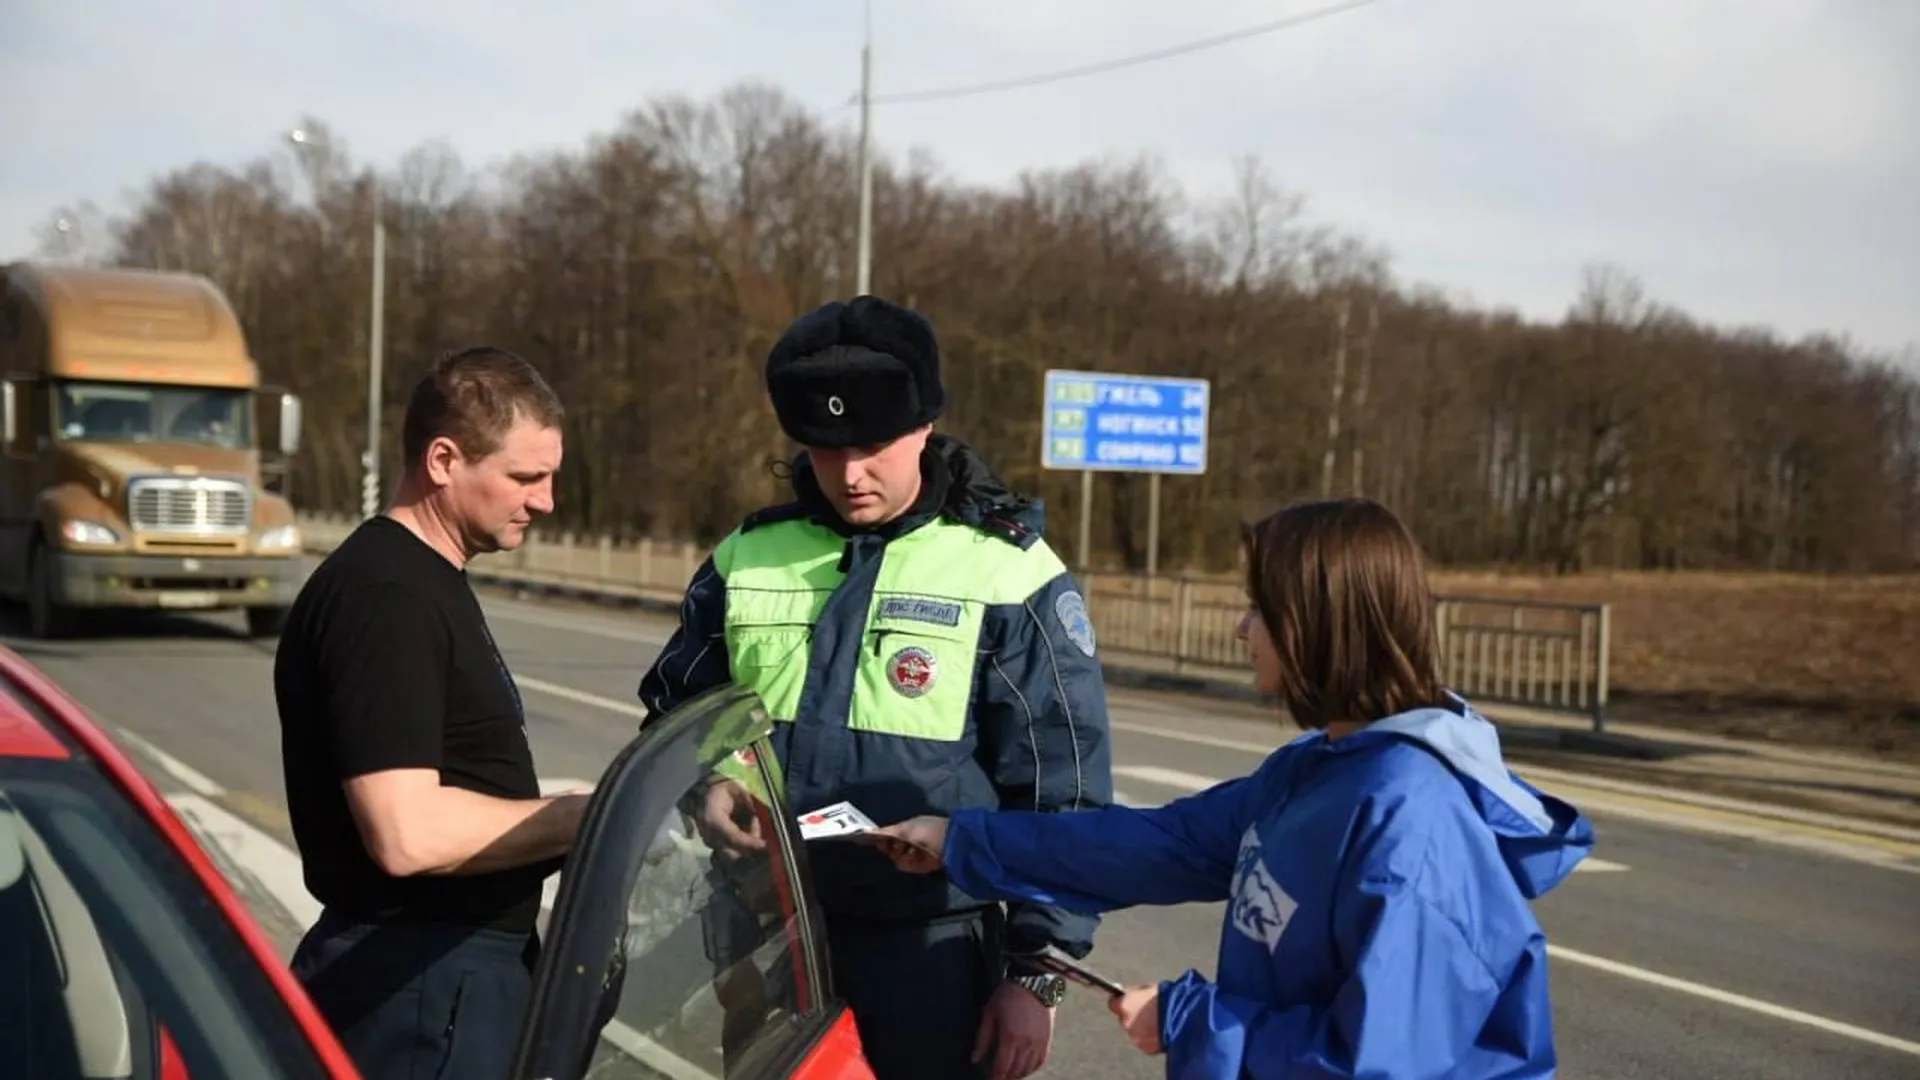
x: 1754, y: 162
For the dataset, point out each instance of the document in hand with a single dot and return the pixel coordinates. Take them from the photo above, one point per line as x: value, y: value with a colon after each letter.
x: 845, y: 821
x: 842, y: 819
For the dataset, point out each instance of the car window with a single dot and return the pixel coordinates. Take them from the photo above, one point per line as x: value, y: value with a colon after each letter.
x: 715, y: 972
x: 112, y: 962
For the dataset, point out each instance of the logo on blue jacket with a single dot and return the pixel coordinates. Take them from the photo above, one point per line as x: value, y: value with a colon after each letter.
x: 1261, y: 908
x: 1071, y: 609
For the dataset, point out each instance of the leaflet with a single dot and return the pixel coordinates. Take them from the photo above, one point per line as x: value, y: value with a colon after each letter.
x: 840, y: 820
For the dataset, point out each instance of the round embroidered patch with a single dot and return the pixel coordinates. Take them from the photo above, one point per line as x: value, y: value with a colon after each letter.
x: 912, y: 671
x: 1071, y: 609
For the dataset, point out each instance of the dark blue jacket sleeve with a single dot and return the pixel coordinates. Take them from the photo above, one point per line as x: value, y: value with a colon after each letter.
x: 1041, y: 713
x: 694, y: 659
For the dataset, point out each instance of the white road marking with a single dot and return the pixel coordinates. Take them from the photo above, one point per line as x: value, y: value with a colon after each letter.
x: 179, y: 770
x: 581, y: 697
x: 1196, y: 738
x: 554, y: 785
x: 1738, y: 1001
x: 1173, y: 778
x: 517, y: 612
x: 269, y: 862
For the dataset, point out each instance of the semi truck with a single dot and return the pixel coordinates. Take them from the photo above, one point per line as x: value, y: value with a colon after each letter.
x: 139, y: 446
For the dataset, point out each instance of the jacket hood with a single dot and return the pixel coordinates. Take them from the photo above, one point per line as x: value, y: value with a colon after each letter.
x: 1541, y: 838
x: 975, y: 494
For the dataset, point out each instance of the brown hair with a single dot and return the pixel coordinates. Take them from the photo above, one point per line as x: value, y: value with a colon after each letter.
x: 473, y: 397
x: 1342, y: 588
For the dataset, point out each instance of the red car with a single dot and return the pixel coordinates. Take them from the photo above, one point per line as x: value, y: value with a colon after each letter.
x: 125, y: 952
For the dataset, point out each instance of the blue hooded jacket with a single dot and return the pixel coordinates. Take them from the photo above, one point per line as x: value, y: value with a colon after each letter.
x: 1378, y: 922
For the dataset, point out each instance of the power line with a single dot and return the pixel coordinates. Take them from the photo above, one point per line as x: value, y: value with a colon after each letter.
x: 1111, y: 65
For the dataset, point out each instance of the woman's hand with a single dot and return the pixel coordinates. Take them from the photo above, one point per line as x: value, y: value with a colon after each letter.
x: 1139, y: 1012
x: 915, y: 845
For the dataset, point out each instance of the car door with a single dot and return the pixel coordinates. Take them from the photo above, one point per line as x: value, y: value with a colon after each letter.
x: 680, y: 949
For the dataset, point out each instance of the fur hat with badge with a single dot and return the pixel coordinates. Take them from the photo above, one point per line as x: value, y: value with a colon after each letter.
x: 856, y: 373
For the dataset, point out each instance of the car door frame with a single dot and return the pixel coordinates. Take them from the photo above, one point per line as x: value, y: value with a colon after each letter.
x: 582, y: 957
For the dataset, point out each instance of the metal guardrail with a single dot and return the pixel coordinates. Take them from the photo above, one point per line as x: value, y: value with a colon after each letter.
x: 1537, y: 655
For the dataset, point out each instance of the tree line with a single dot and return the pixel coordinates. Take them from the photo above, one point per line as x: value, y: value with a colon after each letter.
x: 649, y: 271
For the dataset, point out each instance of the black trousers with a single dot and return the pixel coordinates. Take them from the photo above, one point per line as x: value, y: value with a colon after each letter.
x: 420, y: 1001
x: 918, y: 991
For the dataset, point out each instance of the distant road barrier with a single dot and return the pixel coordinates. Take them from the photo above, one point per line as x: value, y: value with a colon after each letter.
x: 1546, y: 656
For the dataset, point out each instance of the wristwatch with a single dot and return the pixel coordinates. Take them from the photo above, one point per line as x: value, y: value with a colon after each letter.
x: 1050, y: 989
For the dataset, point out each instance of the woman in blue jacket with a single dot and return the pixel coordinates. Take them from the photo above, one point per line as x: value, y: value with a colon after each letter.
x: 1377, y: 869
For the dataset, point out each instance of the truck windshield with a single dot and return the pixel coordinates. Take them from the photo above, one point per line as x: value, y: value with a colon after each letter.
x: 139, y: 413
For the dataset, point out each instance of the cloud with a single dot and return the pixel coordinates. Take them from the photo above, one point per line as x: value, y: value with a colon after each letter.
x: 1752, y: 160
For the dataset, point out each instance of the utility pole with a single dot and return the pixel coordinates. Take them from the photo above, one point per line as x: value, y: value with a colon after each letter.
x: 1339, y: 391
x: 370, y: 475
x: 863, y: 278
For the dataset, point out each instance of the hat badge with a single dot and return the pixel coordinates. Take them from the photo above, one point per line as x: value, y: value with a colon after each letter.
x: 836, y: 406
x: 912, y: 671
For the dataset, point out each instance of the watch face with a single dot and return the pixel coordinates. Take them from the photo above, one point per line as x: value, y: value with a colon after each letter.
x: 1050, y: 989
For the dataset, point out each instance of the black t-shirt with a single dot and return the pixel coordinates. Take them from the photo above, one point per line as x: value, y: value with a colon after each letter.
x: 386, y: 663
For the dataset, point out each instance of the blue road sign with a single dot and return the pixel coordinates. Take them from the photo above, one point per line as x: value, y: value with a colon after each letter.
x: 1125, y: 423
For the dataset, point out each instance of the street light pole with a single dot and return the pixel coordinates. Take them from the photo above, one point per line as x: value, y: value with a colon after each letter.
x: 864, y: 274
x: 376, y: 335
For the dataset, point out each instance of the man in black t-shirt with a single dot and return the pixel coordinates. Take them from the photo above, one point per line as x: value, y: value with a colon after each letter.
x: 410, y: 783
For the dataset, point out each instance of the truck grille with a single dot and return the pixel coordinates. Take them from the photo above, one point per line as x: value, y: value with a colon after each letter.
x: 198, y: 506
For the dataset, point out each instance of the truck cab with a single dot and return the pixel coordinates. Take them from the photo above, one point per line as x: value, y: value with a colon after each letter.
x: 135, y: 437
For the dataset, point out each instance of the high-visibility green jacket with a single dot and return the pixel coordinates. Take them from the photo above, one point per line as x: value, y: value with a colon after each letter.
x: 943, y: 661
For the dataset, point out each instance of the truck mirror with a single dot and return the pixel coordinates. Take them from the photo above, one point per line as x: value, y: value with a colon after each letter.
x: 8, y: 407
x: 289, y: 423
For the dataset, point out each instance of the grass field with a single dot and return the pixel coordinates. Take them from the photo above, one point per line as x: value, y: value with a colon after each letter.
x: 1790, y: 657
x: 1787, y: 657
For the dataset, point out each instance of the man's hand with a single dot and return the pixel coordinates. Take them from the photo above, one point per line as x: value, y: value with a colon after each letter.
x: 727, y: 805
x: 915, y: 845
x: 1021, y: 1027
x: 1139, y: 1013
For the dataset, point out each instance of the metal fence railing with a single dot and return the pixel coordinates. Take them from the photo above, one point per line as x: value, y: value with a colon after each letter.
x: 1546, y: 656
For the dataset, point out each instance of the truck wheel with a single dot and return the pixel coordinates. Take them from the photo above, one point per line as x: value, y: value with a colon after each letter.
x: 46, y: 619
x: 264, y: 622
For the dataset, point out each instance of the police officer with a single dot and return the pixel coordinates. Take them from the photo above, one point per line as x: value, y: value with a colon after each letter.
x: 921, y: 648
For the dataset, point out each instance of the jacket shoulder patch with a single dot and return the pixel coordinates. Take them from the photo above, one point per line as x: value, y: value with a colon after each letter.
x: 1261, y: 908
x: 920, y: 609
x: 1071, y: 609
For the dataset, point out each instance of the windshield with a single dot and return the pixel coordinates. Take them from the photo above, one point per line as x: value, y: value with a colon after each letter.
x: 112, y: 962
x: 139, y: 413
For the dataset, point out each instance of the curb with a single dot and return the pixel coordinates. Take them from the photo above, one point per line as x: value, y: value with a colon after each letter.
x: 1726, y: 803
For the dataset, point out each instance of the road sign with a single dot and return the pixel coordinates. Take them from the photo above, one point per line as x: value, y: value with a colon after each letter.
x: 1124, y: 423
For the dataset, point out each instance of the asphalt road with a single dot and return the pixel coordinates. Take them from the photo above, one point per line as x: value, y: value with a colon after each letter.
x: 1682, y: 953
